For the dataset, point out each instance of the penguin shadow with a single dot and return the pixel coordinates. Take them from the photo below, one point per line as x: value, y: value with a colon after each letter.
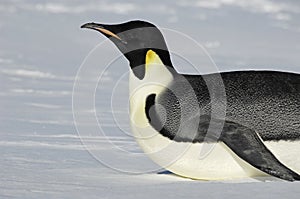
x: 257, y: 179
x: 165, y: 172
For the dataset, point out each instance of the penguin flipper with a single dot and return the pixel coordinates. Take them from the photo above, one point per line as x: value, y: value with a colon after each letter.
x: 243, y: 141
x: 247, y: 144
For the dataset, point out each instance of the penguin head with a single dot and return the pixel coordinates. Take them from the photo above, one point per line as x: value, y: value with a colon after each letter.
x: 134, y: 39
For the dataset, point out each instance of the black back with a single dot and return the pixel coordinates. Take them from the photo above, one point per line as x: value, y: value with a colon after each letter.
x: 265, y: 101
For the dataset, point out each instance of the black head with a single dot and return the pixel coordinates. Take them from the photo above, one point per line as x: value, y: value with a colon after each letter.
x: 134, y: 39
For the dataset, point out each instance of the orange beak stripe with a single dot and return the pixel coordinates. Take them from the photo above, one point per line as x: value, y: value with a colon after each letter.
x: 109, y: 33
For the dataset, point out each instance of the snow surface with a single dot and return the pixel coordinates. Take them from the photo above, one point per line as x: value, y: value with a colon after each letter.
x: 41, y: 50
x: 36, y: 166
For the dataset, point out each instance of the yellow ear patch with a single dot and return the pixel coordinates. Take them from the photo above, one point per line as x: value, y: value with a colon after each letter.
x: 155, y: 71
x: 152, y: 58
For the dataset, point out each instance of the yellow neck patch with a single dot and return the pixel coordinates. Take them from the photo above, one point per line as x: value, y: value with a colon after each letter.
x: 155, y: 70
x: 152, y: 58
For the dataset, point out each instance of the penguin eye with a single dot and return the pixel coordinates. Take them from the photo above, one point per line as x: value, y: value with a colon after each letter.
x: 123, y: 41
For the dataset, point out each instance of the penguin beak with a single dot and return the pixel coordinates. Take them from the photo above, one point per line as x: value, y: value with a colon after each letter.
x: 100, y: 28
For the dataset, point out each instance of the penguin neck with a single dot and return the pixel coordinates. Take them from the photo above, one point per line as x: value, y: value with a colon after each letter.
x: 157, y: 76
x: 138, y: 60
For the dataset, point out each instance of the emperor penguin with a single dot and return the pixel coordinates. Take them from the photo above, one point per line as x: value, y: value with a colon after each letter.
x: 171, y: 113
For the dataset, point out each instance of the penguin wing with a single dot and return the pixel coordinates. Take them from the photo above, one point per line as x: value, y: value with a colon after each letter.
x: 242, y: 140
x: 247, y: 144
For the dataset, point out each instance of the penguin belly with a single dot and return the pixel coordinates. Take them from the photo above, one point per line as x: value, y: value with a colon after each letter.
x: 206, y: 161
x: 184, y: 158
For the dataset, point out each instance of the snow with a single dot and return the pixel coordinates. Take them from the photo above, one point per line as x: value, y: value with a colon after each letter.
x: 59, y: 167
x: 42, y: 47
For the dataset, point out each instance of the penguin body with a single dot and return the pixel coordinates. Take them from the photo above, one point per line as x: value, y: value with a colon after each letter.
x: 171, y: 118
x: 266, y: 101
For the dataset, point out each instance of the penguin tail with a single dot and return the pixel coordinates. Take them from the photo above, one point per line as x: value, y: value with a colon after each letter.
x: 296, y: 177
